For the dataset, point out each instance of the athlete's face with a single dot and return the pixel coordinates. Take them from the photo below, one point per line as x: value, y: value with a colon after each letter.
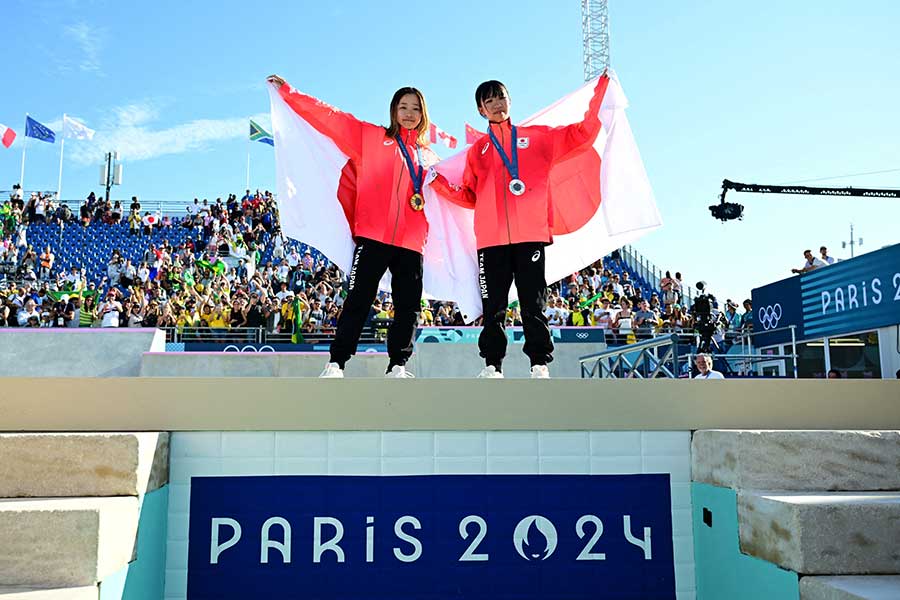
x: 409, y: 111
x: 495, y: 109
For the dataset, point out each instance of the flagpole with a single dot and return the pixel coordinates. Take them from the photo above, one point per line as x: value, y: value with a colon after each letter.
x: 24, y: 145
x: 248, y: 163
x: 62, y: 148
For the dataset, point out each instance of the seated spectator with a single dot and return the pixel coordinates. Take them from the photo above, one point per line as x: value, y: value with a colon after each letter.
x: 811, y: 263
x: 603, y: 316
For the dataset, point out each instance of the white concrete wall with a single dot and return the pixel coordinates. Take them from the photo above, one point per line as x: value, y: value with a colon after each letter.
x: 425, y: 453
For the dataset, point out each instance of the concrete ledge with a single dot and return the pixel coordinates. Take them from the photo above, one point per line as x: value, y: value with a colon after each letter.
x: 65, y: 542
x: 433, y: 361
x: 797, y: 460
x: 254, y: 404
x: 874, y: 587
x: 73, y: 465
x: 823, y: 534
x: 79, y: 593
x: 111, y: 352
x: 262, y: 364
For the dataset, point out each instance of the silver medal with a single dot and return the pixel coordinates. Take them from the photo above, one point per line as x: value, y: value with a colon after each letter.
x: 517, y: 187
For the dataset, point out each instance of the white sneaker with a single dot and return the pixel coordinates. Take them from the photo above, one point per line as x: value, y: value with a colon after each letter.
x: 490, y: 372
x: 332, y: 371
x: 399, y: 372
x: 540, y: 372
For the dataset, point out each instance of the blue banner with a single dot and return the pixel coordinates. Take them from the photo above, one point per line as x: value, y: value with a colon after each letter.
x: 434, y: 537
x: 777, y: 307
x: 38, y: 131
x: 514, y: 335
x: 853, y: 295
x: 850, y: 296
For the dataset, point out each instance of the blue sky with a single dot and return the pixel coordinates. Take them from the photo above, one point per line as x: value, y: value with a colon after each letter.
x: 763, y: 93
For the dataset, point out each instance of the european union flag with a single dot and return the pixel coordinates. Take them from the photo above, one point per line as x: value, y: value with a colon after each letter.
x: 35, y: 130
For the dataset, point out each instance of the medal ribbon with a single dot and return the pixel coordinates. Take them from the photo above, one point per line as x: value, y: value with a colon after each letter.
x: 417, y: 176
x: 512, y: 166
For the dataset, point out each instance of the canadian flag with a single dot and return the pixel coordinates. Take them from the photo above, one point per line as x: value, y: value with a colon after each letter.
x: 436, y: 134
x: 472, y: 134
x: 602, y: 198
x: 7, y: 135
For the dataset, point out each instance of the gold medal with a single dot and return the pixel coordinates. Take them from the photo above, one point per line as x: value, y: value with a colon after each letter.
x: 417, y: 202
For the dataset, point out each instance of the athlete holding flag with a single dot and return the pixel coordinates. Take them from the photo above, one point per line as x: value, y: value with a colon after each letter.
x: 506, y: 180
x: 385, y: 173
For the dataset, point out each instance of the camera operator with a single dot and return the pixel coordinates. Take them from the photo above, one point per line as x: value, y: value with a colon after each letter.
x: 705, y: 323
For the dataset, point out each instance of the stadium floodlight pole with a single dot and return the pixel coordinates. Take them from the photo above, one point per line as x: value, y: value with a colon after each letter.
x: 595, y: 32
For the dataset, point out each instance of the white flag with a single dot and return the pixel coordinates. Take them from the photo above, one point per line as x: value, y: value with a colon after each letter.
x: 75, y: 130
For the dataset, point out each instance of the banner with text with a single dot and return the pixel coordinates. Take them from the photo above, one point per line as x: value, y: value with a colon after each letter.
x: 430, y: 537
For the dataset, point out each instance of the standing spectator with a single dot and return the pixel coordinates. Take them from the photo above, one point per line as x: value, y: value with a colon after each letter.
x: 828, y: 260
x: 109, y: 310
x: 747, y: 317
x: 47, y: 258
x: 135, y: 205
x: 811, y: 263
x: 27, y: 313
x: 645, y: 320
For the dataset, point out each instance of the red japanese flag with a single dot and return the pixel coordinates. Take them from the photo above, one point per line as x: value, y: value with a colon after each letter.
x: 472, y: 134
x: 602, y: 198
x: 7, y: 135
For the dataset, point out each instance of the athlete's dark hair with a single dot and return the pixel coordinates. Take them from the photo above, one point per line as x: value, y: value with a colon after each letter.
x: 489, y: 89
x: 394, y: 128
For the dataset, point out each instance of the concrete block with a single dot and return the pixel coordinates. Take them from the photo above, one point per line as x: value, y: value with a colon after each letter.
x: 91, y: 592
x: 797, y: 460
x: 64, y: 352
x: 51, y: 542
x: 873, y: 587
x: 74, y: 465
x: 840, y: 533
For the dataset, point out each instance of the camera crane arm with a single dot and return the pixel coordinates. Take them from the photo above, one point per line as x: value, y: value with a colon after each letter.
x: 726, y: 211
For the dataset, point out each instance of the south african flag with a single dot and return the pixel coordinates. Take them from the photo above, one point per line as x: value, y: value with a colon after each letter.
x: 258, y: 134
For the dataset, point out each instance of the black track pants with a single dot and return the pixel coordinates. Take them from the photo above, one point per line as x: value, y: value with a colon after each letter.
x: 370, y: 261
x: 498, y: 268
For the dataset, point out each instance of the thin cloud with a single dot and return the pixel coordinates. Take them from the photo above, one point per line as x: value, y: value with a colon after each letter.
x: 90, y: 41
x: 132, y: 134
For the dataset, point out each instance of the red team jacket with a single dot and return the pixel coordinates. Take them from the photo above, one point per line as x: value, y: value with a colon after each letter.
x: 381, y: 209
x: 502, y: 218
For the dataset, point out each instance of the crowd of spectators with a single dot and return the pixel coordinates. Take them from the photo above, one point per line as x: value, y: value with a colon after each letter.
x: 236, y: 270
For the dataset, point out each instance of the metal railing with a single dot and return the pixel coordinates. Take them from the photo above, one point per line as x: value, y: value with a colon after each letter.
x: 373, y: 333
x: 648, y: 359
x: 651, y: 273
x: 664, y: 356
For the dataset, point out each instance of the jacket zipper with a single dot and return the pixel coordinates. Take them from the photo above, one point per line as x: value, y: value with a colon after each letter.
x: 505, y: 202
x: 397, y: 198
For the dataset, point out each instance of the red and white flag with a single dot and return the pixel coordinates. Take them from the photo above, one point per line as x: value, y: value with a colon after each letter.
x: 596, y: 210
x: 472, y: 134
x: 438, y: 135
x: 7, y: 135
x: 316, y: 185
x: 602, y: 198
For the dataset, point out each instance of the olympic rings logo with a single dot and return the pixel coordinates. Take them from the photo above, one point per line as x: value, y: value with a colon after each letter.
x: 233, y: 348
x: 769, y: 316
x: 581, y: 335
